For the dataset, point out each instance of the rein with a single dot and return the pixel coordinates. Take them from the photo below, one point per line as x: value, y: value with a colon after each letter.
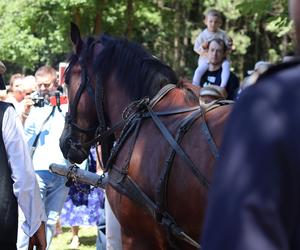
x: 101, y: 137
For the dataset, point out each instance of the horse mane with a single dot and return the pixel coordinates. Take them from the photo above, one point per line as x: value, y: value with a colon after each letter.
x: 137, y: 71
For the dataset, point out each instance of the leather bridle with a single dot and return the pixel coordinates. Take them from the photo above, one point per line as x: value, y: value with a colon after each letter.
x: 85, y: 84
x: 101, y: 132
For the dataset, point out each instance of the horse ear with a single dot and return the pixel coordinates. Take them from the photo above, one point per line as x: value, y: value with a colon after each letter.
x: 76, y: 38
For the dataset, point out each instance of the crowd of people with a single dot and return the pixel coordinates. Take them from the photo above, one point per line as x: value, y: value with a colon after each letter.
x: 31, y: 126
x: 35, y: 201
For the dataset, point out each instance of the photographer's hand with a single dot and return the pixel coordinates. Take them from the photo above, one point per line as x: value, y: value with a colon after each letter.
x: 28, y: 103
x: 38, y: 239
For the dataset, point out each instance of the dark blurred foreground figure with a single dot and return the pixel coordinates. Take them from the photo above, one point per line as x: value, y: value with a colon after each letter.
x: 254, y: 203
x: 18, y: 184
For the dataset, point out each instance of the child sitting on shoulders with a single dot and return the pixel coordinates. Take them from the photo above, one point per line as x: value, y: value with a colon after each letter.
x: 213, y: 22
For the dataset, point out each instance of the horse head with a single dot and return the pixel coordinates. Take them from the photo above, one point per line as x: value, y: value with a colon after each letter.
x: 103, y: 77
x: 81, y: 120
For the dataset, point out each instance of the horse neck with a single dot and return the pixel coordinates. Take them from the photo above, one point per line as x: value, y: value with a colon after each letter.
x: 116, y: 100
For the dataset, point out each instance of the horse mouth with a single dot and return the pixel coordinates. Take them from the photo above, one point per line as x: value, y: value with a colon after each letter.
x: 73, y: 152
x: 76, y: 153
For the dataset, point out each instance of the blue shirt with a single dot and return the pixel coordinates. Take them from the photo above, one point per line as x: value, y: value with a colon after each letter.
x: 47, y: 148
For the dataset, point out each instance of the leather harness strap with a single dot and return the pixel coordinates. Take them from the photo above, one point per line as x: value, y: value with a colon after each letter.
x: 166, y: 133
x: 124, y: 184
x: 204, y: 127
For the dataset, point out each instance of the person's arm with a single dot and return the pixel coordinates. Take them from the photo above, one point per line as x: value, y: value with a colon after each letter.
x: 27, y: 102
x: 38, y: 239
x: 99, y: 163
x: 30, y: 127
x: 199, y: 46
x: 228, y: 41
x: 25, y: 185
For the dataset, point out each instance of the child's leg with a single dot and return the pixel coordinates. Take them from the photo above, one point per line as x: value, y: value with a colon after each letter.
x: 199, y: 72
x: 75, y: 238
x: 225, y: 73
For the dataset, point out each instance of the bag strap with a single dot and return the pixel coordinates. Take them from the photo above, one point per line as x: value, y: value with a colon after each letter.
x: 33, y: 147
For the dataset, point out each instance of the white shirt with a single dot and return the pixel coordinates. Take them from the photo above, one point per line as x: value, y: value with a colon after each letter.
x: 25, y: 185
x: 206, y: 36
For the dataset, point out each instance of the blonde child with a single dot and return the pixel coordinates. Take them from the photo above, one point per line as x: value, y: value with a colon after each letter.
x: 213, y: 22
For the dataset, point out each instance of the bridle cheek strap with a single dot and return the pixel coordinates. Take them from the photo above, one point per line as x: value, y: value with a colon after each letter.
x: 71, y: 116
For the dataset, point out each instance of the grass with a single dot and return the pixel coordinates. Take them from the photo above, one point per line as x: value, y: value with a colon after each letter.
x: 87, y: 237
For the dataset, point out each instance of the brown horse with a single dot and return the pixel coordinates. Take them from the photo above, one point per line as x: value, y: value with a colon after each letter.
x: 162, y: 160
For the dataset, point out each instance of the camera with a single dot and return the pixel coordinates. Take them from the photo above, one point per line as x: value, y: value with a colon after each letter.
x: 38, y: 101
x: 56, y: 100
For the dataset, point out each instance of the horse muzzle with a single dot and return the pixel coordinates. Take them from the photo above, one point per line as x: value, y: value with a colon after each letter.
x: 77, y: 154
x: 71, y: 150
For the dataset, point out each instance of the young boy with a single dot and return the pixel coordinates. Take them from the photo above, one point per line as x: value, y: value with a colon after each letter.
x: 213, y: 21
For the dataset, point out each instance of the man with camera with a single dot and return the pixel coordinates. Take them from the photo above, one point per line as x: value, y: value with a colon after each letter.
x: 43, y: 127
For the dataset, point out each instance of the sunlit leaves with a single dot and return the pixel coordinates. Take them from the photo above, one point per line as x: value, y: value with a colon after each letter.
x: 34, y: 32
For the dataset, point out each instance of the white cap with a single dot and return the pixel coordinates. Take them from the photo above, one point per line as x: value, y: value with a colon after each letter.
x: 260, y: 66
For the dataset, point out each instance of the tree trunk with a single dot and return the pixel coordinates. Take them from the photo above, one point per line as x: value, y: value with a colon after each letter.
x: 129, y: 18
x: 77, y: 16
x: 99, y: 15
x: 176, y: 32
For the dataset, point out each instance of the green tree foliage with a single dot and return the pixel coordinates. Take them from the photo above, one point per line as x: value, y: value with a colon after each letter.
x: 35, y: 32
